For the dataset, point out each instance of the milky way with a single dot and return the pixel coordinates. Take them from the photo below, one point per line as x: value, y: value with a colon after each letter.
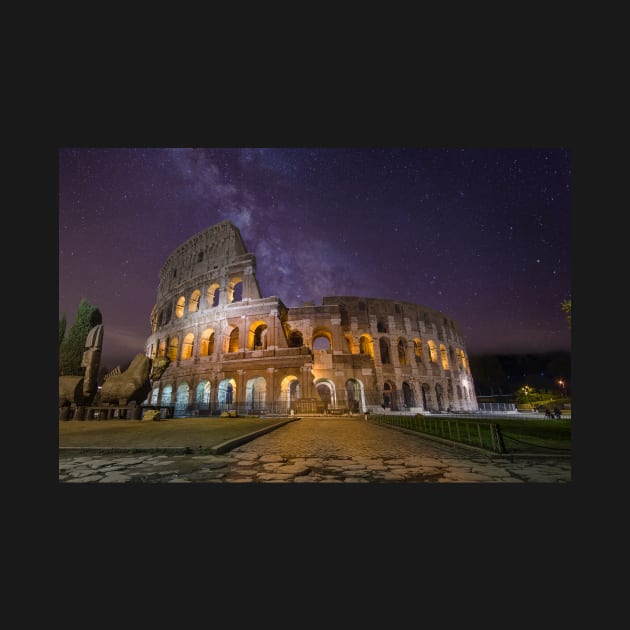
x: 480, y: 234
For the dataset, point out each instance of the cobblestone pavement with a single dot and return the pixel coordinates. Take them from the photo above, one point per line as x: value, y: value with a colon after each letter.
x: 319, y: 450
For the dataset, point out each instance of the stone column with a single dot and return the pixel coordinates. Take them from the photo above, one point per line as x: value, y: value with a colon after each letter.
x: 240, y: 388
x: 270, y: 402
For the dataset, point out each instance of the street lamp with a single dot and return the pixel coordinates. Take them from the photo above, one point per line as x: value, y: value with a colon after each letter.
x: 563, y: 387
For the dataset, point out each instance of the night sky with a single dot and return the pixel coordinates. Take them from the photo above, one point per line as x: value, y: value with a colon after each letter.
x: 483, y: 235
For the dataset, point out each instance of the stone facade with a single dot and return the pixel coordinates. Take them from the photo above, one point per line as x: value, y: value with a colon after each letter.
x: 231, y: 348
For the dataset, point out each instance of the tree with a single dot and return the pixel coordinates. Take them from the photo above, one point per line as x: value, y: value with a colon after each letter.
x: 62, y: 329
x: 72, y: 346
x: 566, y: 307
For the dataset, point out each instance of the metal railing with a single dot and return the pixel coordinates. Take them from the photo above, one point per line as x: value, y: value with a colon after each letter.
x: 479, y: 434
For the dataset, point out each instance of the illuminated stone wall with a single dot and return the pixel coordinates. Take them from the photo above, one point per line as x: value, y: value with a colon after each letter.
x: 229, y: 346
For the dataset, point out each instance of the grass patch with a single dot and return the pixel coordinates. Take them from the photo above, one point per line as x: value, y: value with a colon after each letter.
x: 184, y: 433
x: 519, y: 435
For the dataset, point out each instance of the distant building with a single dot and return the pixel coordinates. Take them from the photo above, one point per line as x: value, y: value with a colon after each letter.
x: 231, y: 348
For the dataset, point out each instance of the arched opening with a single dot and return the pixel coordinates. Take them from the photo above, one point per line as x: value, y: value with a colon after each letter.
x: 187, y: 346
x: 295, y: 339
x: 255, y: 394
x: 155, y: 393
x: 355, y: 394
x: 233, y: 341
x: 202, y: 396
x: 181, y: 401
x: 383, y: 346
x: 206, y: 347
x: 226, y: 393
x: 433, y: 355
x: 257, y: 336
x: 173, y: 344
x: 326, y: 392
x: 366, y: 345
x: 235, y: 290
x: 464, y: 360
x: 167, y: 394
x: 193, y: 305
x: 426, y: 395
x: 444, y: 356
x: 451, y: 355
x: 212, y: 295
x: 322, y: 343
x: 438, y: 396
x: 289, y: 391
x: 402, y: 351
x: 162, y: 348
x: 417, y: 348
x: 322, y: 339
x: 459, y: 393
x: 179, y: 307
x: 389, y: 396
x: 408, y: 395
x: 380, y: 326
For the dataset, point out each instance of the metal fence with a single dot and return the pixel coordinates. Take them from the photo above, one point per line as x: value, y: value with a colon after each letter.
x: 480, y: 434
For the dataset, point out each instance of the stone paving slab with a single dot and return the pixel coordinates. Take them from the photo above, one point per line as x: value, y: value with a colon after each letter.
x: 310, y: 450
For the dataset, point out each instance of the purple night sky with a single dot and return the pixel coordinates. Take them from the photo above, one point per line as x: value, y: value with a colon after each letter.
x: 483, y: 235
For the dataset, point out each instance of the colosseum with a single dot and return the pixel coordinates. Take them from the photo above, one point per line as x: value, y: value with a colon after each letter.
x: 230, y: 348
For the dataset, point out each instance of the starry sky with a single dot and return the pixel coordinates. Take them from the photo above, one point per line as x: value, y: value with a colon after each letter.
x: 481, y: 234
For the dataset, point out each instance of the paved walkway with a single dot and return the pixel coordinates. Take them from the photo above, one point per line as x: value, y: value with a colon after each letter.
x: 320, y: 450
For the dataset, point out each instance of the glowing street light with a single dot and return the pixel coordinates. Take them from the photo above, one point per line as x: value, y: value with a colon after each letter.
x: 562, y: 387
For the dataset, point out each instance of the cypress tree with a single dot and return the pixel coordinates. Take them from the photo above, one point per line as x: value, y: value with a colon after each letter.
x: 72, y: 346
x: 62, y: 329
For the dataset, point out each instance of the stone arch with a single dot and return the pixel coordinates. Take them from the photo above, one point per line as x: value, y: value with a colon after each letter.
x: 206, y: 345
x: 180, y: 306
x: 256, y: 393
x: 355, y: 395
x: 167, y: 395
x: 173, y: 344
x: 322, y: 333
x: 439, y: 397
x: 389, y: 395
x: 433, y: 355
x: 383, y: 346
x: 408, y: 395
x: 417, y: 348
x: 366, y: 345
x: 235, y: 289
x: 426, y: 396
x: 444, y: 356
x: 162, y: 348
x: 193, y: 304
x: 381, y: 326
x: 187, y: 346
x: 257, y: 335
x: 402, y: 351
x: 155, y: 394
x: 226, y: 394
x: 230, y: 338
x: 295, y: 339
x: 202, y: 395
x: 327, y: 392
x: 213, y: 293
x: 289, y: 391
x: 181, y: 399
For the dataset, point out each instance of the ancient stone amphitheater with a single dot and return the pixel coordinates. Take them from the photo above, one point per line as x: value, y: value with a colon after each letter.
x: 230, y: 348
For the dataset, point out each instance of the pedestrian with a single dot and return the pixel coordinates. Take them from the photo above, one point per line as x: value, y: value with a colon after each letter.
x: 548, y: 413
x: 556, y: 413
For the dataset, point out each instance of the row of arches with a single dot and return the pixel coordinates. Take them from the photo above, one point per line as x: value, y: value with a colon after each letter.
x: 354, y: 396
x: 192, y: 304
x: 182, y: 397
x: 256, y: 339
